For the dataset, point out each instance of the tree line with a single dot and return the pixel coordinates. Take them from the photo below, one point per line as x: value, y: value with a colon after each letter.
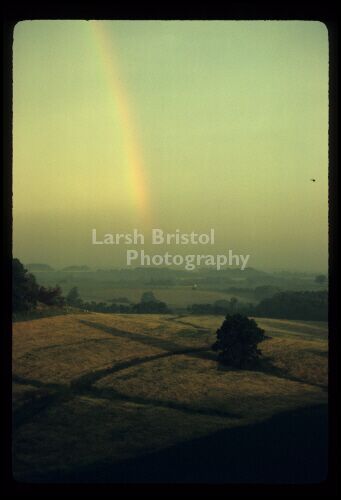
x: 148, y: 304
x: 301, y: 305
x: 27, y: 294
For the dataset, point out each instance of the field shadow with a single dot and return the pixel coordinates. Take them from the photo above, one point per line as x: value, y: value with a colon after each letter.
x: 278, y: 450
x: 112, y: 394
x: 266, y: 365
x: 136, y: 337
x: 150, y: 340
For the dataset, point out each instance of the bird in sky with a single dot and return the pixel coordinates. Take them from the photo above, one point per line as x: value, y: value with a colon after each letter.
x: 313, y: 180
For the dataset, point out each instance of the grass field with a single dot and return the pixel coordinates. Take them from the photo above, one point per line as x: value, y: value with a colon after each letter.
x: 91, y: 388
x: 177, y: 296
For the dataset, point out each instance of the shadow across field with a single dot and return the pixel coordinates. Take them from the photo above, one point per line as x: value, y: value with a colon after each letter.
x: 264, y: 365
x: 85, y: 381
x: 49, y: 394
x: 112, y: 394
x: 178, y: 319
x: 289, y: 448
x: 46, y: 395
x: 143, y: 338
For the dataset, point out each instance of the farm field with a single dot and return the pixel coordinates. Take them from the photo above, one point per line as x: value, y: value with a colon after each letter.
x: 94, y: 388
x: 174, y: 296
x: 177, y: 296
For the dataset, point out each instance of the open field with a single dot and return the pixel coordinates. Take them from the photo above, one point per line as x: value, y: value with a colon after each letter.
x: 103, y: 388
x: 174, y: 296
x: 104, y: 290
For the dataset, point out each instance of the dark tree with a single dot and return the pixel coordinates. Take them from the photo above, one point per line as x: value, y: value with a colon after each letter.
x: 237, y: 341
x: 157, y: 307
x: 24, y: 288
x: 148, y: 297
x: 265, y: 291
x: 221, y: 306
x: 320, y: 279
x: 51, y: 296
x: 73, y: 298
x: 233, y: 303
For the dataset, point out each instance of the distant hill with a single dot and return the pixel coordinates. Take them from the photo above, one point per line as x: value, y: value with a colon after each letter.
x: 76, y: 268
x: 39, y: 267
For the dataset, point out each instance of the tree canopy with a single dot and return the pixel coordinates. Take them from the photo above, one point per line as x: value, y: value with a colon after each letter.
x: 237, y: 341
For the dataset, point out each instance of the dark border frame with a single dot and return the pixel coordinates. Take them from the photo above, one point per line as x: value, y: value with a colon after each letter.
x: 235, y: 11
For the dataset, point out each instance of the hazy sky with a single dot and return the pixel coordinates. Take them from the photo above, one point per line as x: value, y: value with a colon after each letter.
x: 173, y: 125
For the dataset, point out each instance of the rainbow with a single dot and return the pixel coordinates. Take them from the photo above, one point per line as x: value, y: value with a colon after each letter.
x: 130, y: 144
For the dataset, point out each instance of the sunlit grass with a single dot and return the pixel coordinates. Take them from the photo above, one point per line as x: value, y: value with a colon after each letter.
x: 92, y: 387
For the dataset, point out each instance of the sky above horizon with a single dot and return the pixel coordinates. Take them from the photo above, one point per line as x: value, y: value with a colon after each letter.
x: 186, y: 125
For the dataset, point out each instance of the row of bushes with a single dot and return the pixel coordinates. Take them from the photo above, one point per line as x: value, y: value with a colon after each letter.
x: 304, y: 305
